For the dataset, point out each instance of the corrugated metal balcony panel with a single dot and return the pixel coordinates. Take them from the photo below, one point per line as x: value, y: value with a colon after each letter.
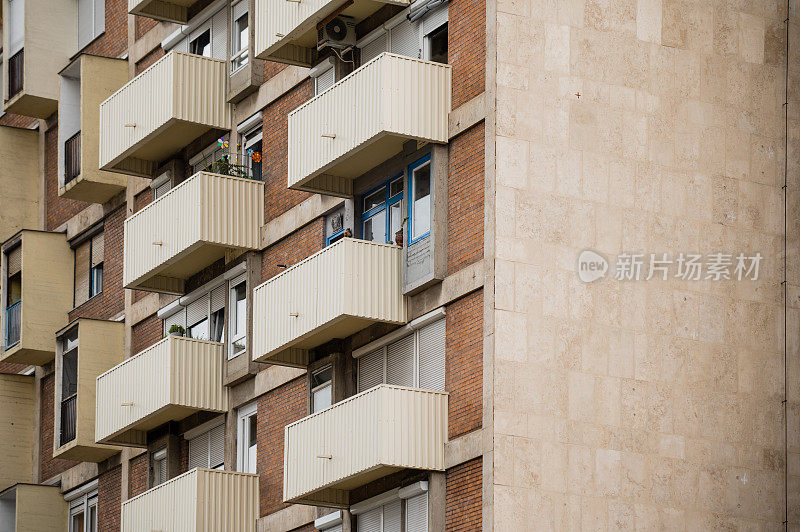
x: 160, y: 111
x: 289, y: 33
x: 331, y: 294
x: 368, y: 436
x: 200, y: 500
x: 189, y: 228
x: 364, y: 119
x: 166, y: 382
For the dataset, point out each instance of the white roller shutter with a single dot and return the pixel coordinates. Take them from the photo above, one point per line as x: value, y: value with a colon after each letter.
x: 374, y: 49
x: 400, y: 362
x: 405, y: 39
x: 240, y: 9
x: 164, y: 187
x: 16, y: 26
x: 370, y: 521
x: 219, y: 34
x: 393, y: 516
x: 179, y: 318
x: 432, y: 356
x: 434, y: 19
x: 370, y: 370
x: 197, y: 311
x: 325, y: 80
x: 181, y: 46
x: 198, y: 451
x: 217, y: 446
x: 208, y: 448
x: 417, y: 513
x: 218, y: 298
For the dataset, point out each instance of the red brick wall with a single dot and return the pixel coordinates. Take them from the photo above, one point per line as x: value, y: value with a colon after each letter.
x: 143, y: 25
x: 271, y: 68
x: 465, y: 202
x: 57, y: 210
x: 50, y: 466
x: 109, y: 495
x: 276, y: 409
x: 466, y: 42
x: 142, y: 199
x: 7, y: 367
x: 275, y: 166
x: 146, y: 333
x: 149, y: 59
x: 111, y: 301
x: 463, y: 501
x: 115, y: 39
x: 464, y: 363
x: 137, y: 475
x: 297, y: 246
x: 9, y: 119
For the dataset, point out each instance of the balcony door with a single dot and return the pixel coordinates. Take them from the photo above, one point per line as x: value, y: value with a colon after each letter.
x: 69, y: 386
x: 246, y: 436
x: 83, y: 513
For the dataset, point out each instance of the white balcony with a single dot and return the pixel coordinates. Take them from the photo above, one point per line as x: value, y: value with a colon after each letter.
x: 201, y: 500
x: 286, y: 31
x: 370, y: 435
x: 189, y: 228
x: 332, y: 294
x: 160, y: 111
x: 166, y: 382
x: 365, y: 119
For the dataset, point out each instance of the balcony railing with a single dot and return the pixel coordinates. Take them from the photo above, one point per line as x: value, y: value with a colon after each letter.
x: 334, y: 293
x: 72, y: 157
x: 365, y: 119
x: 199, y: 500
x: 377, y: 432
x: 166, y: 382
x: 287, y: 31
x: 68, y: 418
x: 189, y: 228
x: 16, y: 73
x: 162, y: 110
x: 13, y: 322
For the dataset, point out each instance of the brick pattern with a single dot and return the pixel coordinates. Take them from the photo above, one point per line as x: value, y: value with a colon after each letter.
x: 109, y: 499
x: 137, y: 475
x: 12, y: 120
x: 276, y: 409
x: 49, y: 466
x: 464, y: 363
x: 142, y: 199
x: 464, y: 499
x: 275, y: 166
x: 297, y: 246
x: 145, y: 333
x: 466, y: 43
x: 305, y: 528
x: 465, y: 202
x: 57, y: 210
x: 271, y: 69
x: 143, y: 25
x: 111, y: 301
x: 114, y: 41
x: 8, y: 367
x: 149, y: 59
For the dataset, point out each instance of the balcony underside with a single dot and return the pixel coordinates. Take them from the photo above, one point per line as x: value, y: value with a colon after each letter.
x: 172, y: 11
x: 84, y: 453
x: 135, y: 435
x: 336, y: 178
x: 142, y: 159
x: 30, y: 105
x: 170, y: 277
x: 339, y: 497
x: 18, y: 354
x: 92, y: 191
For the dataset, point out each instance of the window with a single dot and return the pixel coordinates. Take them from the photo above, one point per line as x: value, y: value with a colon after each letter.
x: 420, y: 202
x: 419, y: 34
x: 203, y: 318
x: 405, y: 510
x: 158, y: 467
x: 238, y: 316
x: 83, y: 512
x: 208, y: 449
x: 89, y: 258
x: 381, y: 218
x: 334, y: 225
x: 91, y: 20
x: 324, y: 80
x: 201, y: 45
x: 247, y: 433
x: 416, y: 360
x: 252, y: 147
x: 240, y: 36
x: 321, y: 389
x: 436, y: 43
x: 69, y: 386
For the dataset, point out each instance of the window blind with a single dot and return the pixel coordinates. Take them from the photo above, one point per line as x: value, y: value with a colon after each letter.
x: 98, y: 249
x: 325, y: 80
x: 208, y: 448
x: 370, y: 370
x: 374, y: 49
x: 432, y: 356
x: 400, y: 362
x: 219, y: 35
x: 197, y: 311
x: 218, y: 298
x: 405, y: 39
x: 14, y: 260
x: 417, y: 513
x: 82, y: 260
x: 370, y: 521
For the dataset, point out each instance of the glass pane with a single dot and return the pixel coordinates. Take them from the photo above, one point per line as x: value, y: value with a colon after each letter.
x: 14, y: 288
x: 252, y: 430
x: 375, y: 199
x: 199, y: 330
x: 396, y: 187
x: 69, y: 374
x: 375, y: 228
x: 240, y: 308
x: 202, y: 44
x: 96, y: 283
x: 421, y: 194
x: 242, y: 34
x: 76, y: 525
x: 318, y: 378
x: 321, y: 399
x: 217, y: 326
x: 92, y: 519
x: 395, y: 220
x: 438, y: 45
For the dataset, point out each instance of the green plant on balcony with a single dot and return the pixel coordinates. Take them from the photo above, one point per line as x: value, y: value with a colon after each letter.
x: 177, y: 330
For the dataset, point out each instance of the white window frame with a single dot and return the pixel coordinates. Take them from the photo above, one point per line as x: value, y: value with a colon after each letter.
x: 160, y: 456
x: 328, y: 384
x: 81, y: 500
x: 236, y: 54
x: 389, y: 497
x: 232, y: 316
x: 206, y: 428
x: 245, y: 454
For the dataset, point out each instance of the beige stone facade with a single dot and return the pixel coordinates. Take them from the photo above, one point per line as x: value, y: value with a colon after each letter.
x: 649, y: 126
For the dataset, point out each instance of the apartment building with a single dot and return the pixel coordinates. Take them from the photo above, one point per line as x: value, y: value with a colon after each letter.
x: 286, y: 265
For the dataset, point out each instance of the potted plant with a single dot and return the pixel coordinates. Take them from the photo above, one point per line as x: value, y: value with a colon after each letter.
x: 177, y: 330
x: 398, y: 237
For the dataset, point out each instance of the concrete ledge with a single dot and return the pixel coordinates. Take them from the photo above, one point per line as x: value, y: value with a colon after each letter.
x: 268, y: 92
x: 294, y: 516
x: 467, y: 115
x: 454, y: 286
x: 463, y: 448
x: 296, y: 217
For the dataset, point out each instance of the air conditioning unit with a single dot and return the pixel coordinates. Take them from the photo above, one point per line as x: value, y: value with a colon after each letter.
x: 338, y: 33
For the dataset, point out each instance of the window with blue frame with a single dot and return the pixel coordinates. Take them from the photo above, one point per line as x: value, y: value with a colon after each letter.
x: 419, y: 202
x: 382, y: 212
